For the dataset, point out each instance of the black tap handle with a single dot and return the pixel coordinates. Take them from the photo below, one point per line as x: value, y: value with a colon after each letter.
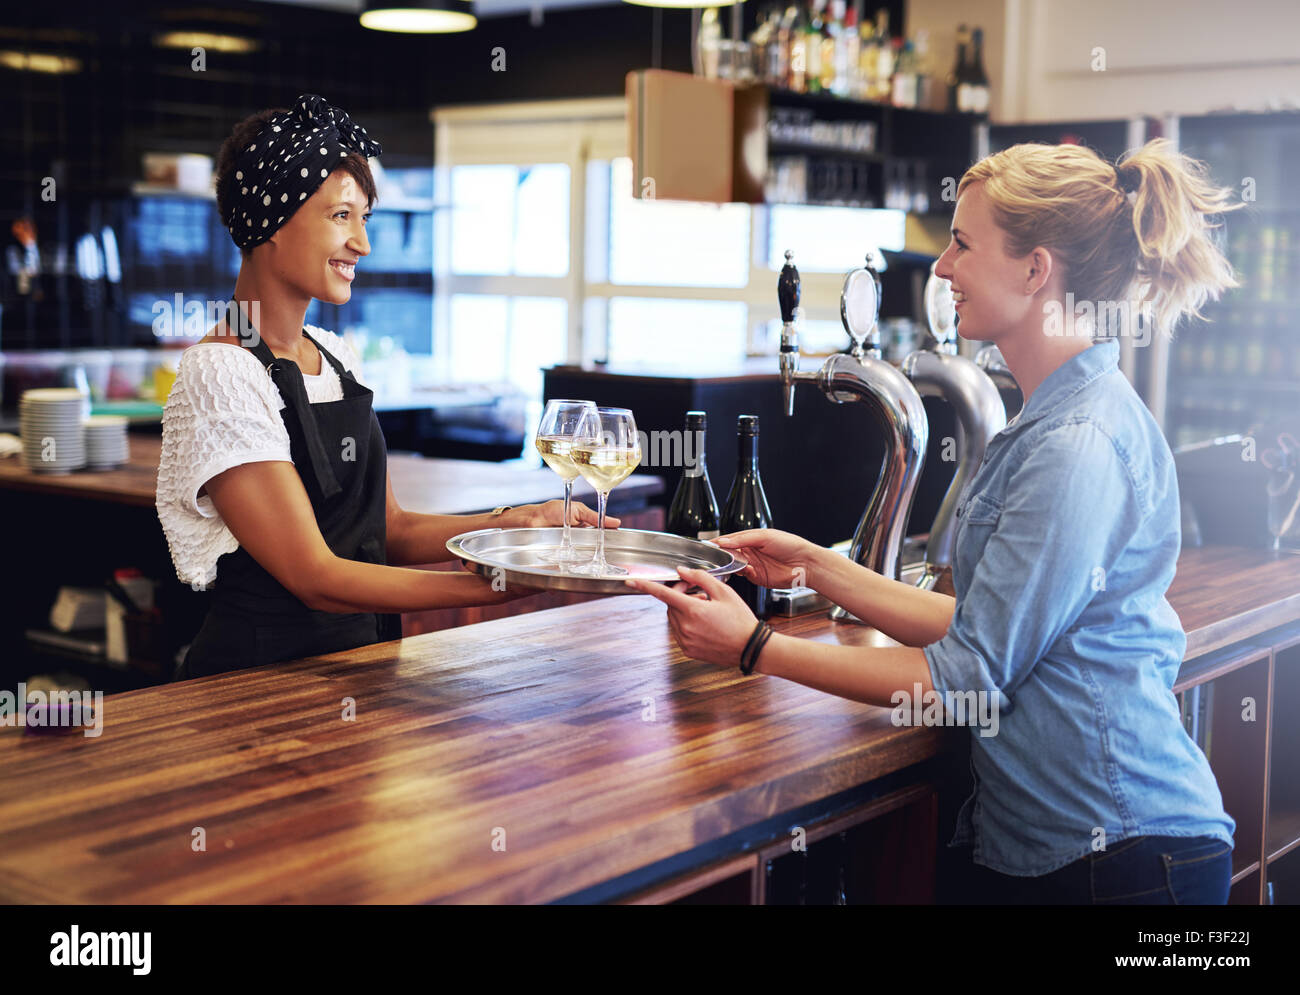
x: 787, y: 288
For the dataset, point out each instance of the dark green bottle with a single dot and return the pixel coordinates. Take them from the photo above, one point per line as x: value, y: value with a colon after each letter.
x: 747, y: 508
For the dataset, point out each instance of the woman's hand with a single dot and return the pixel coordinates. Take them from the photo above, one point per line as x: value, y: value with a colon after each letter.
x: 713, y: 625
x: 551, y: 513
x: 492, y: 589
x: 774, y: 558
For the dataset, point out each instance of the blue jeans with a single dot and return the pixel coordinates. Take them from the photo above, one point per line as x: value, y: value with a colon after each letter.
x: 1143, y: 870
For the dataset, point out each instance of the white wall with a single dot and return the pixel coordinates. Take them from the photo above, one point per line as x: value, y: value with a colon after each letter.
x: 1161, y: 56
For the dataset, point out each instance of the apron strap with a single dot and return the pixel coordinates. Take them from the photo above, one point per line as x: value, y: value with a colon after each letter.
x: 288, y: 378
x: 339, y: 368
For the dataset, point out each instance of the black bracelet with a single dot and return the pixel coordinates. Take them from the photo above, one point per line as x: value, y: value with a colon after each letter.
x: 749, y: 646
x: 768, y: 633
x: 757, y: 640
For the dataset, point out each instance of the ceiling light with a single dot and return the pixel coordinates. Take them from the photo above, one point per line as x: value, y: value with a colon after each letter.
x: 39, y: 62
x: 205, y: 40
x: 683, y: 4
x: 418, y: 16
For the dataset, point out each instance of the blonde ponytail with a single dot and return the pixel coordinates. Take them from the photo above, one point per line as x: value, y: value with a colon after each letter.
x: 1137, y: 232
x: 1180, y: 265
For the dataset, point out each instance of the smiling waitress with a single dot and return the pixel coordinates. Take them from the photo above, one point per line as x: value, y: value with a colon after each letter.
x: 273, y: 480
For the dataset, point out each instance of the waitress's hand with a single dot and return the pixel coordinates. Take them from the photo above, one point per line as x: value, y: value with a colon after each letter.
x: 492, y: 591
x: 774, y: 558
x: 713, y: 625
x: 551, y: 514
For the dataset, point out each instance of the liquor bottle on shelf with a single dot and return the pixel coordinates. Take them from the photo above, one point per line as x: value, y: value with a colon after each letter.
x: 973, y: 90
x: 798, y: 51
x: 761, y: 43
x: 747, y: 508
x: 868, y: 57
x: 884, y: 72
x: 846, y: 55
x: 813, y: 46
x: 959, y: 68
x: 832, y: 22
x: 904, y: 84
x: 707, y: 44
x: 926, y: 89
x: 694, y: 511
x: 780, y: 57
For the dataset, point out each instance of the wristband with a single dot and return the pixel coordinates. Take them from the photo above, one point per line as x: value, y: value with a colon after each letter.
x: 768, y: 633
x: 749, y: 646
x: 757, y: 640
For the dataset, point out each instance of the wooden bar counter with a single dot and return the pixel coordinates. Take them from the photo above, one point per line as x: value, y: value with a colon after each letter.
x: 529, y: 759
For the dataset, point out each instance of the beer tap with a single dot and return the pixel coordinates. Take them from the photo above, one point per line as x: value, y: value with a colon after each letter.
x: 938, y: 371
x: 989, y: 359
x: 890, y: 397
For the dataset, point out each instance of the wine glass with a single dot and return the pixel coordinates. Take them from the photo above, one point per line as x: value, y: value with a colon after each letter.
x: 554, y: 441
x: 606, y: 449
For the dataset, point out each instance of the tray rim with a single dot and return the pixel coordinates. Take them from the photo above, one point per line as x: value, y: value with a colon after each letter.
x: 575, y: 583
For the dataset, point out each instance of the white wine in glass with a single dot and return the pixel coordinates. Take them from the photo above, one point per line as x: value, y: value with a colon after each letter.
x: 605, y: 450
x: 554, y: 442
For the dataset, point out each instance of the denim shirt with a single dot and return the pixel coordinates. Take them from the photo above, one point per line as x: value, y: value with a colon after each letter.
x: 1067, y: 540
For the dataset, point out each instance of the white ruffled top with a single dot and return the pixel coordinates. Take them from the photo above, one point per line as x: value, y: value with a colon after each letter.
x: 224, y: 411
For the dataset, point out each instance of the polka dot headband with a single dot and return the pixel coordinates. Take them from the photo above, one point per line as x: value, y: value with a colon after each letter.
x: 293, y: 154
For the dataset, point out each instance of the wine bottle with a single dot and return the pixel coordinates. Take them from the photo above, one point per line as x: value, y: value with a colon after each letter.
x: 747, y: 508
x: 973, y: 89
x: 694, y: 511
x: 959, y: 68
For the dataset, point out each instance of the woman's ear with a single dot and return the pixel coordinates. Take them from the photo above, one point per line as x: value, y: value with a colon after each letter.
x: 1039, y: 270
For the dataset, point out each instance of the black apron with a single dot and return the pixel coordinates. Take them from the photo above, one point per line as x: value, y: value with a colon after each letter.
x: 339, y: 451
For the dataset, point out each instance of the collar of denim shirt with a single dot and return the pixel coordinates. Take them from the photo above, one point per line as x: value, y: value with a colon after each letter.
x: 1067, y: 380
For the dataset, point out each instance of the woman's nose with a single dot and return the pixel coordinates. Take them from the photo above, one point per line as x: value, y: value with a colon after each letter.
x: 942, y: 269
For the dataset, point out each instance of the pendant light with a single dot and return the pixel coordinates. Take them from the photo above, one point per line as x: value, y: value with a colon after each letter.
x: 418, y: 16
x: 684, y: 4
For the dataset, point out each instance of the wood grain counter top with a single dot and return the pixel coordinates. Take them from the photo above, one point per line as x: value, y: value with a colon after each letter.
x: 580, y: 738
x: 533, y: 730
x: 424, y: 484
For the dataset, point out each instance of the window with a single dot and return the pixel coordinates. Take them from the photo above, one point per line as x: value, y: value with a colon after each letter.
x: 674, y: 242
x: 514, y: 338
x: 670, y: 332
x: 636, y: 282
x: 830, y: 239
x: 510, y: 220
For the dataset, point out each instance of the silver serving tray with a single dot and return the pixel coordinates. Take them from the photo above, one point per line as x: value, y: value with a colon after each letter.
x: 655, y: 556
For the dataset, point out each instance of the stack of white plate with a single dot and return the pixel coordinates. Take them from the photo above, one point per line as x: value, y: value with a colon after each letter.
x: 49, y: 420
x: 106, y: 445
